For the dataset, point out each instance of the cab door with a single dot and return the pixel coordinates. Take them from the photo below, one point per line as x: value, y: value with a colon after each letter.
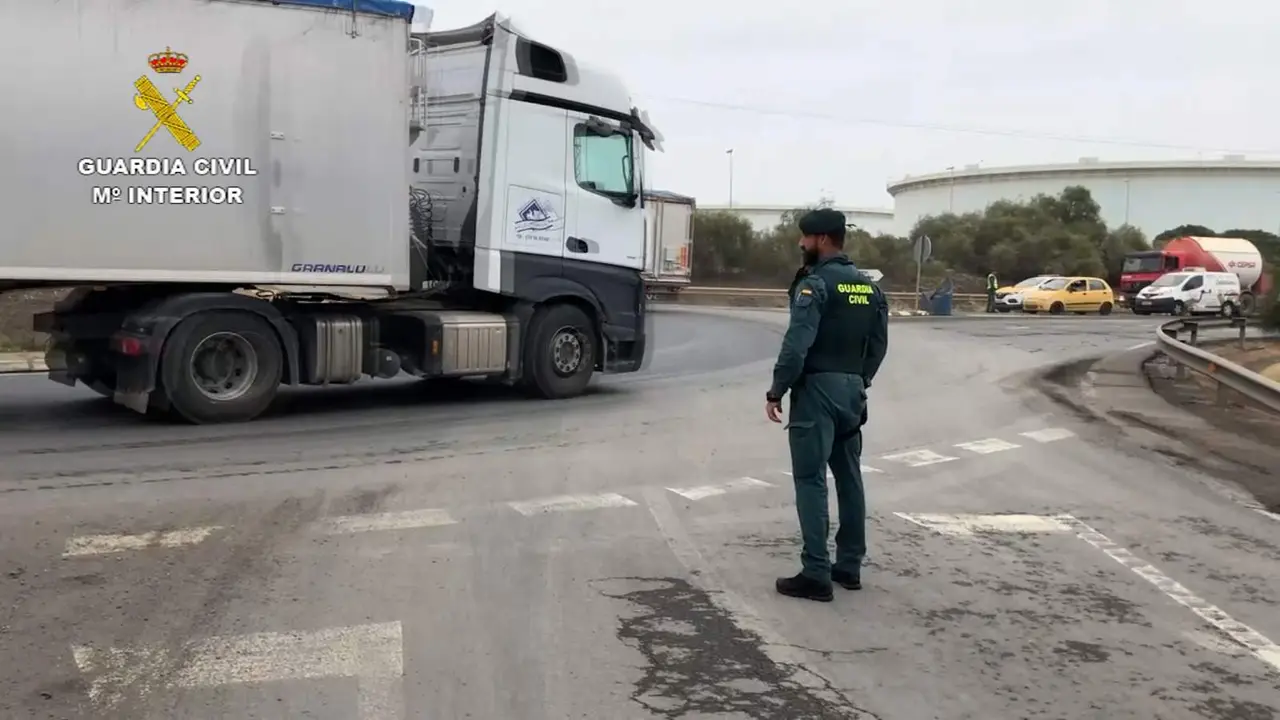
x: 1077, y: 295
x: 602, y: 183
x: 1195, y: 296
x: 1098, y: 294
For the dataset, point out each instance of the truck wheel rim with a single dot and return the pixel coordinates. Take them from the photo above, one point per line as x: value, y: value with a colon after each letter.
x: 566, y: 351
x: 224, y: 366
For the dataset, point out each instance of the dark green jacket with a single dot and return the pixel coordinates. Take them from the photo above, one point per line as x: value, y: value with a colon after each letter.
x: 839, y: 323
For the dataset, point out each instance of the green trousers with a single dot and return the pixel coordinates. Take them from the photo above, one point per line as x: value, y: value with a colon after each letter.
x: 825, y: 430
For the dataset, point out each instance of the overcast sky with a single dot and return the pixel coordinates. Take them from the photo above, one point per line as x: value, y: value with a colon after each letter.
x: 835, y: 97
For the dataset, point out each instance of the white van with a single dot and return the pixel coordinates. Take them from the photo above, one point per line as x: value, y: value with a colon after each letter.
x: 1190, y: 291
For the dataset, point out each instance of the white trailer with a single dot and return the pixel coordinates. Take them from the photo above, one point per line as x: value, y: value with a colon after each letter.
x: 668, y: 246
x: 327, y: 197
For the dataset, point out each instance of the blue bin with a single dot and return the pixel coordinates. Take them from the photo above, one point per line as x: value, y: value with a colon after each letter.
x: 940, y: 303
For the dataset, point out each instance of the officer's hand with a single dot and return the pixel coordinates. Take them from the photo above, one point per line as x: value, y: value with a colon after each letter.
x: 773, y: 411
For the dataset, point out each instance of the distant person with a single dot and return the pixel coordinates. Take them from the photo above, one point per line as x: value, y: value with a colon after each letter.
x: 992, y: 286
x: 833, y: 347
x: 948, y: 285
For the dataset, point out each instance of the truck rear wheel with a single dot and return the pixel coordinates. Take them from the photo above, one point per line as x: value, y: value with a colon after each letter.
x: 1248, y: 303
x: 221, y: 367
x: 561, y: 353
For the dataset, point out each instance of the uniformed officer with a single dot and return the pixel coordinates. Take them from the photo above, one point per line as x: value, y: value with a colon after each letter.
x: 992, y: 286
x: 837, y: 338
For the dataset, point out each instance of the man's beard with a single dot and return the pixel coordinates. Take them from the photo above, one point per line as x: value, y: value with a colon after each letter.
x: 810, y: 256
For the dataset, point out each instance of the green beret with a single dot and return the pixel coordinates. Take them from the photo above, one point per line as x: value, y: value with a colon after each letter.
x: 823, y: 221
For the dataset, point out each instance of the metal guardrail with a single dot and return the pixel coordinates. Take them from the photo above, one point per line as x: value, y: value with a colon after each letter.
x: 779, y: 292
x: 1247, y: 383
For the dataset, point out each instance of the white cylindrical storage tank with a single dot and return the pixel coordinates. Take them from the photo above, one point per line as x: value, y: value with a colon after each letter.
x: 1152, y: 196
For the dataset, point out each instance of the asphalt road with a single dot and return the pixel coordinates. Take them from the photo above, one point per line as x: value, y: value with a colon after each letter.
x: 411, y: 551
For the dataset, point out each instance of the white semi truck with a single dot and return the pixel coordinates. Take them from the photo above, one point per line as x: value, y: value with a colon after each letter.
x: 254, y: 193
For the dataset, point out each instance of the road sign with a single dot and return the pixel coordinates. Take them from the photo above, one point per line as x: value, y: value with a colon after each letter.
x: 922, y: 248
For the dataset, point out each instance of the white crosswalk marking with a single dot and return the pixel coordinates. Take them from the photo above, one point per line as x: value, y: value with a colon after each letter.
x: 701, y: 492
x: 1048, y: 434
x: 970, y: 524
x: 565, y: 503
x: 407, y: 520
x: 84, y: 545
x: 918, y: 458
x: 988, y: 446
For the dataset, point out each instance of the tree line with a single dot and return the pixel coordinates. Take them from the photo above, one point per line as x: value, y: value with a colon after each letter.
x: 1046, y: 234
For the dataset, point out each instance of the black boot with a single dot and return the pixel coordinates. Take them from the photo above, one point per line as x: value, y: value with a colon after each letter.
x: 805, y: 588
x: 846, y: 579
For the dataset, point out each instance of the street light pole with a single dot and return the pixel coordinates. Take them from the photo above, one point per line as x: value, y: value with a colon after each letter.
x: 729, y: 152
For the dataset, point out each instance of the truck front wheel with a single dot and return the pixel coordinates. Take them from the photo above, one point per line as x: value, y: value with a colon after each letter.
x: 561, y: 353
x: 221, y: 367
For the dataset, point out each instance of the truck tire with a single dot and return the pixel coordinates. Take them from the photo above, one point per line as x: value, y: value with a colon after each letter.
x: 560, y: 356
x: 221, y: 367
x: 1248, y: 303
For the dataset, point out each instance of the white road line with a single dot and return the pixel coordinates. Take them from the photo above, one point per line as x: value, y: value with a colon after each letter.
x: 1258, y: 508
x: 564, y: 503
x: 701, y: 492
x: 959, y: 525
x: 85, y: 545
x: 406, y: 520
x: 373, y: 654
x: 987, y: 446
x: 1139, y: 346
x: 918, y: 458
x: 1048, y: 434
x: 1255, y: 642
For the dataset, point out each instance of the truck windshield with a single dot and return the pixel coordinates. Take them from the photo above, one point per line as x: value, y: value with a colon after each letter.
x: 1170, y: 280
x: 1150, y: 263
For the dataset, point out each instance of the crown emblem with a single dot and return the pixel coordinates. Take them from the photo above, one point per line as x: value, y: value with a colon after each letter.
x: 167, y: 61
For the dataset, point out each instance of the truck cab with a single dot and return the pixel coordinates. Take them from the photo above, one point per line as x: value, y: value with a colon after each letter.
x: 533, y: 163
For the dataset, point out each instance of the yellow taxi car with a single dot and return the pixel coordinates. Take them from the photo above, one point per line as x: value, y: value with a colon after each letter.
x: 1077, y: 295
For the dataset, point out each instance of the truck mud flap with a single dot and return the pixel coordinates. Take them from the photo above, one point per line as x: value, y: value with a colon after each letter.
x: 624, y: 348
